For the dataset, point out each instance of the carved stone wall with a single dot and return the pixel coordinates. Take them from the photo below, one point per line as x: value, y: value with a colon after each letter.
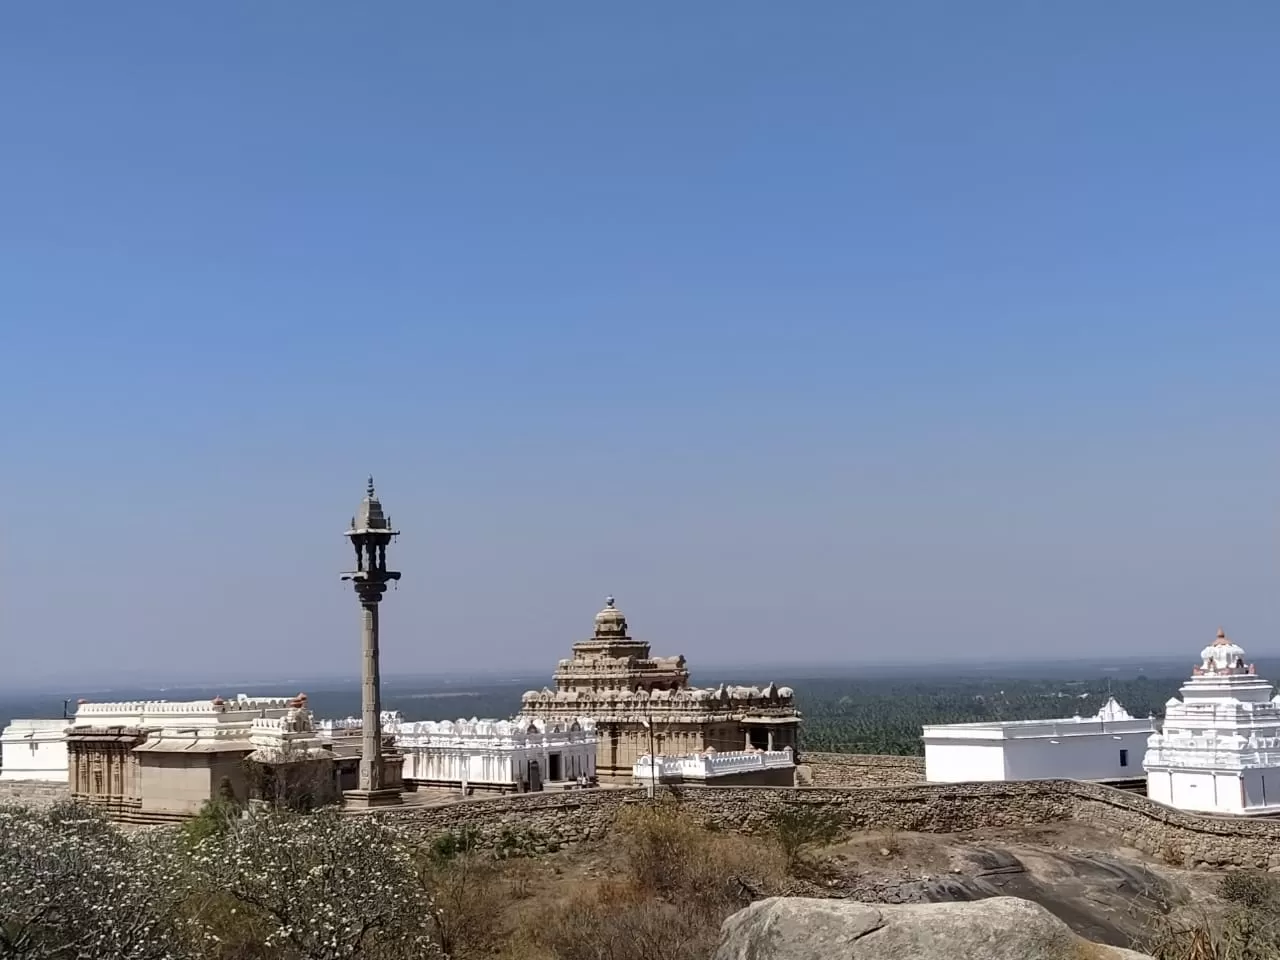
x: 862, y: 769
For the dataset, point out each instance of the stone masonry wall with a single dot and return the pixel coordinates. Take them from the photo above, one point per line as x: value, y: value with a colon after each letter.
x: 544, y: 822
x: 862, y: 769
x: 548, y: 821
x: 33, y: 793
x: 523, y: 822
x: 541, y: 822
x: 1188, y: 839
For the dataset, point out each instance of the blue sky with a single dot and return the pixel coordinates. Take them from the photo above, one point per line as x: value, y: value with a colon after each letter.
x: 832, y: 333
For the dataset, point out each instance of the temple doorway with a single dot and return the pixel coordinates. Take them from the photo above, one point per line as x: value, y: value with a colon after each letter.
x: 535, y: 777
x: 555, y: 773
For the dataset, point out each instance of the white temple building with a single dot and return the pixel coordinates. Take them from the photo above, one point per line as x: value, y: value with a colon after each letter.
x: 1107, y: 746
x: 507, y: 756
x: 34, y: 750
x: 1219, y: 751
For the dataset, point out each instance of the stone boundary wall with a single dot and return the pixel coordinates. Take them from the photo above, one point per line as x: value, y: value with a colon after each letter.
x: 33, y: 793
x: 525, y: 822
x: 861, y: 769
x: 544, y: 822
x: 1178, y: 837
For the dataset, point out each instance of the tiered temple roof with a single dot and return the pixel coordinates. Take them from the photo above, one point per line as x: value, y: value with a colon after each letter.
x: 1228, y: 717
x: 613, y: 678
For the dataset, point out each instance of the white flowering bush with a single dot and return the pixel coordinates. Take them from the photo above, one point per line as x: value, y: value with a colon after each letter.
x: 320, y: 886
x: 73, y: 887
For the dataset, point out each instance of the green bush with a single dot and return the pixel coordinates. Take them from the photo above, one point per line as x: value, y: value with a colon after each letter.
x: 799, y: 826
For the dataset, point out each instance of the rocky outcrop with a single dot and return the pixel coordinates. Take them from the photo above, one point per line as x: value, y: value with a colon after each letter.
x: 1103, y: 897
x: 1003, y: 928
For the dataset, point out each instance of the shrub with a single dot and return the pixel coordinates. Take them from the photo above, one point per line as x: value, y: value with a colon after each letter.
x: 797, y: 827
x: 1248, y: 889
x: 324, y: 886
x: 450, y: 844
x: 71, y: 885
x: 669, y: 855
x: 215, y: 817
x: 467, y: 894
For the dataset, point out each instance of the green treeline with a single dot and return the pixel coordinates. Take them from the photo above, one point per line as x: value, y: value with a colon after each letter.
x: 884, y: 715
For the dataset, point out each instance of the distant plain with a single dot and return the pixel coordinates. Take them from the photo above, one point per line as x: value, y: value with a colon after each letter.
x: 867, y: 708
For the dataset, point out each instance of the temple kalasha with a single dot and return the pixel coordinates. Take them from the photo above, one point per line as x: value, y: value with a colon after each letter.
x: 643, y: 705
x: 1219, y: 748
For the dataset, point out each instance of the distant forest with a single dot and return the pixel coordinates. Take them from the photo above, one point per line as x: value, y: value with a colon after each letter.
x: 851, y: 714
x: 884, y: 715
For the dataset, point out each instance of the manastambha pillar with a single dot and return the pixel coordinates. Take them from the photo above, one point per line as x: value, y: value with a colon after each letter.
x: 371, y: 531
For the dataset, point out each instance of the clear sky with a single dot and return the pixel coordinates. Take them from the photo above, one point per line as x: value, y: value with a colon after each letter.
x: 821, y: 333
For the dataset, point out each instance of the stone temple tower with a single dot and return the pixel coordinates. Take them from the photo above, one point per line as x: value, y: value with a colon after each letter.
x: 370, y: 533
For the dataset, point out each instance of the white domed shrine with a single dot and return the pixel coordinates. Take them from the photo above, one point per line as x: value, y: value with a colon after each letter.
x: 1219, y: 749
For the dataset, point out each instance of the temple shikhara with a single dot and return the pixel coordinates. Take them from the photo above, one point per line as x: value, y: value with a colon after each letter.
x: 1219, y: 749
x: 644, y: 705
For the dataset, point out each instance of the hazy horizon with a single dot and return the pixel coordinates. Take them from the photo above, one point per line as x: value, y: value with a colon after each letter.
x: 709, y: 674
x: 843, y: 335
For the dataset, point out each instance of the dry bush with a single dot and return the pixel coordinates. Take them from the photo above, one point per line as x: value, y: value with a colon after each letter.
x: 1249, y: 888
x: 1238, y: 933
x: 469, y: 896
x: 615, y: 921
x: 676, y: 883
x: 671, y: 856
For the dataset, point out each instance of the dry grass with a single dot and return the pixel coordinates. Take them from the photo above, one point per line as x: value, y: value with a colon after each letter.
x: 1240, y: 931
x: 670, y: 884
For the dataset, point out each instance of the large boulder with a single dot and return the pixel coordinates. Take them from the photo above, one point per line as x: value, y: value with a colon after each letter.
x: 1000, y: 928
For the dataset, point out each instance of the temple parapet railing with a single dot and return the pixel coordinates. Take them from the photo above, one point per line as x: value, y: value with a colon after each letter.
x: 177, y: 707
x: 708, y: 765
x: 389, y: 720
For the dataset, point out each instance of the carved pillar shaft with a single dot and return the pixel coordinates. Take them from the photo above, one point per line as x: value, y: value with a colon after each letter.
x: 371, y: 701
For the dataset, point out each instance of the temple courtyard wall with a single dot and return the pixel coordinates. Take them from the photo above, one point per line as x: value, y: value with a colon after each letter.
x: 545, y: 822
x: 861, y: 769
x: 541, y: 822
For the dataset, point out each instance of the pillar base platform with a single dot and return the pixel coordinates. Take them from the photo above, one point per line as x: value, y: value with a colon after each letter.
x: 369, y: 799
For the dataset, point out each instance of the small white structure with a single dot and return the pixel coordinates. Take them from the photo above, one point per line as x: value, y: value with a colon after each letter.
x: 1219, y: 751
x: 1107, y: 746
x: 507, y: 755
x: 289, y: 738
x: 746, y: 767
x: 34, y: 750
x: 526, y: 753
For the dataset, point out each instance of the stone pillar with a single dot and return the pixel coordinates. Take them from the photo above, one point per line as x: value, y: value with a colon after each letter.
x: 380, y: 775
x: 371, y: 701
